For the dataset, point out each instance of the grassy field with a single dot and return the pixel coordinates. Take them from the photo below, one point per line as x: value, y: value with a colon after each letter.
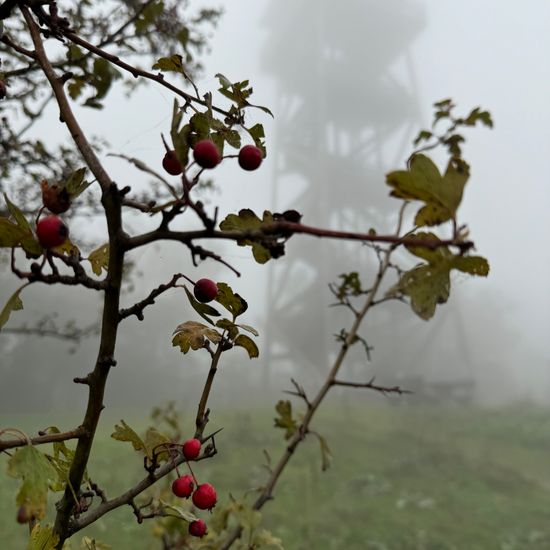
x: 401, y: 479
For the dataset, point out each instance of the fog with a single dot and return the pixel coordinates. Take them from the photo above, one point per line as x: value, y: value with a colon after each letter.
x: 350, y: 84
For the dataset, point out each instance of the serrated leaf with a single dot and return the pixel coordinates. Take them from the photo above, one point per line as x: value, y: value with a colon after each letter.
x: 61, y: 460
x: 233, y: 302
x: 474, y: 265
x: 192, y: 335
x: 174, y: 63
x: 75, y: 184
x: 246, y: 220
x: 99, y: 259
x: 204, y: 310
x: 42, y: 538
x: 123, y: 432
x: 14, y: 303
x: 248, y: 344
x: 442, y: 194
x: 285, y: 420
x: 68, y: 248
x: 200, y: 124
x: 257, y: 133
x: 37, y: 474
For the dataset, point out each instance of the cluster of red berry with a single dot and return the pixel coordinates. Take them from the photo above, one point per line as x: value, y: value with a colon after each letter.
x: 207, y: 155
x: 204, y: 496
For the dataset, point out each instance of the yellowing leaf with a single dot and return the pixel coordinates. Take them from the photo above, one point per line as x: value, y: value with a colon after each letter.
x: 10, y: 233
x: 154, y: 438
x: 192, y: 335
x: 233, y: 302
x: 285, y: 420
x: 99, y: 259
x: 422, y: 181
x: 13, y: 304
x: 474, y: 265
x: 173, y: 63
x: 125, y: 433
x: 42, y: 538
x: 37, y: 474
x: 248, y: 344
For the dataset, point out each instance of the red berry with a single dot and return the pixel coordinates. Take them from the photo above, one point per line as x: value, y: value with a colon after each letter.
x: 205, y: 290
x: 23, y: 515
x: 51, y: 232
x: 55, y: 199
x: 183, y: 486
x: 250, y: 157
x: 206, y: 154
x: 197, y: 528
x: 171, y: 163
x: 205, y: 497
x: 191, y: 449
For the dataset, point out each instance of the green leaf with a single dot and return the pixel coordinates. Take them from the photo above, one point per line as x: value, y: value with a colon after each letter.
x: 192, y: 335
x: 18, y: 215
x: 426, y: 285
x: 61, y: 460
x: 204, y: 310
x: 200, y: 124
x: 285, y: 420
x: 474, y: 265
x: 13, y: 304
x: 174, y: 63
x: 75, y: 184
x: 10, y: 233
x: 432, y: 255
x: 233, y: 302
x: 123, y: 432
x: 246, y: 220
x: 257, y: 133
x: 442, y: 194
x: 154, y: 438
x: 181, y: 512
x: 248, y: 344
x: 42, y: 538
x: 99, y: 259
x: 37, y: 474
x: 230, y: 327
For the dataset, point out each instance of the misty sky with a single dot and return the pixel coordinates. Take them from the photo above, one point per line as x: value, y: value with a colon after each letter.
x: 491, y: 54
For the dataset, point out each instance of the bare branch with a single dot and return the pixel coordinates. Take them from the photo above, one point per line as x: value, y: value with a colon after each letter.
x: 42, y: 439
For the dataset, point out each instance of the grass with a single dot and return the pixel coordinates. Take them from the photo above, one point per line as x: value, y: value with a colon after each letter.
x: 401, y: 479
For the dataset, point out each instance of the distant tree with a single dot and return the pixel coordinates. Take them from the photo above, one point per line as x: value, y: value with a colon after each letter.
x: 67, y: 52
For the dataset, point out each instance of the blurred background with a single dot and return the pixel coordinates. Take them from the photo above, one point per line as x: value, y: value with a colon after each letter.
x: 350, y: 85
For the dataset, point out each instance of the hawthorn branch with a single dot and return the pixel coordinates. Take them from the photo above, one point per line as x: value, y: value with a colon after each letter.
x: 303, y: 428
x: 372, y: 386
x: 283, y: 229
x: 67, y: 115
x: 202, y: 412
x: 137, y: 309
x: 125, y: 498
x: 42, y: 439
x: 137, y: 72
